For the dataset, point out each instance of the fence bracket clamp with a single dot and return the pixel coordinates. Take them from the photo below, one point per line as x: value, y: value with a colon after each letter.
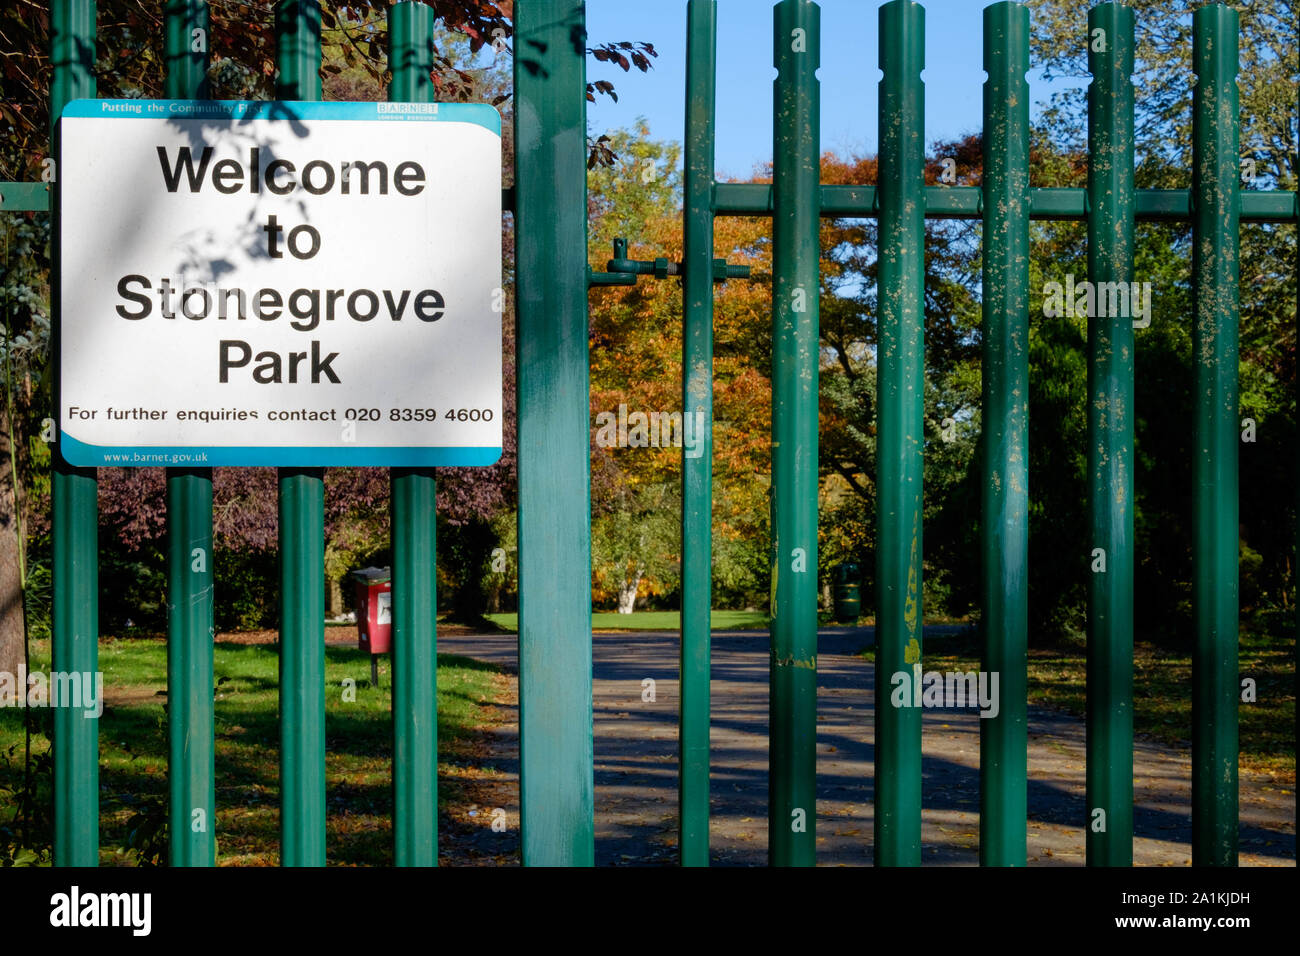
x: 621, y: 270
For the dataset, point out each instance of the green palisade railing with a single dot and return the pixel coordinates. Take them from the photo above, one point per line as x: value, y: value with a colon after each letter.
x: 191, y: 762
x: 697, y: 398
x: 1215, y: 258
x: 900, y: 436
x: 1005, y: 545
x: 414, y: 534
x: 557, y: 786
x: 792, y: 724
x: 302, y: 545
x: 556, y: 779
x: 1109, y: 835
x: 75, y: 519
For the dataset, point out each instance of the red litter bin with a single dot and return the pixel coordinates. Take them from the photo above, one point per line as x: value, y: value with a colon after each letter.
x: 374, y: 614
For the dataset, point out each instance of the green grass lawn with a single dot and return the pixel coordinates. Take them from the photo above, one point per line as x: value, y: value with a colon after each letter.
x: 358, y: 741
x: 652, y: 621
x: 1162, y: 691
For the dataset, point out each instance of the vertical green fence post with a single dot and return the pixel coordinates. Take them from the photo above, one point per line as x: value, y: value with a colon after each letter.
x: 302, y: 546
x: 796, y: 286
x: 75, y: 518
x: 556, y: 781
x: 697, y: 398
x: 1111, y: 205
x: 1004, y: 538
x: 190, y: 767
x: 1215, y: 246
x: 414, y: 530
x: 900, y: 436
x: 186, y: 49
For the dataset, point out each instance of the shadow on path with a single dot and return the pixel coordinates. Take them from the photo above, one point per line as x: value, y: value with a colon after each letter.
x: 636, y: 763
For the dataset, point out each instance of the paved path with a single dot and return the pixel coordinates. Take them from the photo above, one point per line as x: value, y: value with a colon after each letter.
x: 636, y: 764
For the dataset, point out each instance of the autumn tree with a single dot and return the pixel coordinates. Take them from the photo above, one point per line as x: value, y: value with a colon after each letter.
x: 636, y: 349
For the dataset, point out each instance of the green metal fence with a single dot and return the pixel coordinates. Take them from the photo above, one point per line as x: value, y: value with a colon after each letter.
x: 555, y: 684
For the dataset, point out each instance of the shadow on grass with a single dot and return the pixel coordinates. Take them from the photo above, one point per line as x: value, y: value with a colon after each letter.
x: 358, y: 731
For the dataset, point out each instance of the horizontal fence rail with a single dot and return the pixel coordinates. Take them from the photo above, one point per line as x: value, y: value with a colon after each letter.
x: 848, y: 202
x: 555, y: 680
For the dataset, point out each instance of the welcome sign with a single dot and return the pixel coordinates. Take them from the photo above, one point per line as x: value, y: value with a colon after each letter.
x: 279, y: 283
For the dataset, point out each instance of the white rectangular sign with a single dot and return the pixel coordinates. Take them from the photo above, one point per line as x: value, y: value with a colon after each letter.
x: 254, y: 283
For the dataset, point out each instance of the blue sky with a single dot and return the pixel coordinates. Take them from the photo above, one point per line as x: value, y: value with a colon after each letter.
x: 849, y: 73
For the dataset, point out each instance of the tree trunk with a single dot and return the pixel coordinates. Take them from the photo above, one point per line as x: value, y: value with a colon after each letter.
x: 627, y: 593
x: 11, y: 583
x: 333, y: 597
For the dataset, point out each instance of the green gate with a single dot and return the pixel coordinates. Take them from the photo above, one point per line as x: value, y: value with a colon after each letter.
x: 554, y: 436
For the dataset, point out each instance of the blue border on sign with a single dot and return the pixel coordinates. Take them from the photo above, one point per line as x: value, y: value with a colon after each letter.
x: 480, y: 114
x: 84, y: 455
